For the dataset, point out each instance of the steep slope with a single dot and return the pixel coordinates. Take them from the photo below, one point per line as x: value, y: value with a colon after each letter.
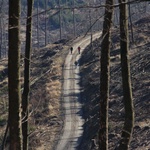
x: 140, y: 72
x: 46, y: 75
x: 45, y: 120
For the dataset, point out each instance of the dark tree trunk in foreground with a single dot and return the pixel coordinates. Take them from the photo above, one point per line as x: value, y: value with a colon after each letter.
x: 25, y: 95
x: 126, y: 81
x: 105, y: 75
x: 1, y: 29
x: 14, y: 75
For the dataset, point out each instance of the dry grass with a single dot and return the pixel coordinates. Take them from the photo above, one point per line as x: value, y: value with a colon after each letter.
x: 48, y: 96
x: 44, y: 121
x: 2, y: 67
x: 140, y: 72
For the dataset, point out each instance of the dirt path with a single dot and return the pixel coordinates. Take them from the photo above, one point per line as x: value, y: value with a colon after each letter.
x: 73, y: 123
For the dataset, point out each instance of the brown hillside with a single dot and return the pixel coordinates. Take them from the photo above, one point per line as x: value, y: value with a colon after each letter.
x: 45, y: 108
x: 140, y: 72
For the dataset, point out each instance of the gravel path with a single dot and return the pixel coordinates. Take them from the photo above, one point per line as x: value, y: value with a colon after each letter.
x: 73, y: 123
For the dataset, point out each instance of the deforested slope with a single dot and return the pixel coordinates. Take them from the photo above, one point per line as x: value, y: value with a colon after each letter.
x: 140, y: 72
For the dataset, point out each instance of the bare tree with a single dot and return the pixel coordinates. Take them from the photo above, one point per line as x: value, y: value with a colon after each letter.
x: 1, y: 29
x: 131, y: 25
x: 126, y: 81
x: 14, y: 76
x: 26, y: 90
x: 38, y: 24
x: 74, y: 23
x: 60, y: 19
x: 45, y: 22
x: 1, y: 37
x: 105, y: 75
x: 91, y: 29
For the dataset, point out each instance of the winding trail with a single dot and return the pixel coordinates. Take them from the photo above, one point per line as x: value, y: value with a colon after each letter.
x: 73, y: 123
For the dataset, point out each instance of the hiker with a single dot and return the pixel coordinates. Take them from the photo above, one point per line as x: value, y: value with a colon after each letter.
x: 76, y: 63
x: 71, y: 49
x: 79, y: 50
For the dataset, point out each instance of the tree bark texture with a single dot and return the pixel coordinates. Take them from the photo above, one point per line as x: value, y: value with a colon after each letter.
x: 26, y: 90
x: 105, y: 75
x: 14, y: 76
x: 126, y: 81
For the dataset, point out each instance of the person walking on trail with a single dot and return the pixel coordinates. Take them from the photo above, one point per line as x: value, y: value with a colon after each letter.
x: 76, y: 63
x: 71, y: 49
x: 79, y: 48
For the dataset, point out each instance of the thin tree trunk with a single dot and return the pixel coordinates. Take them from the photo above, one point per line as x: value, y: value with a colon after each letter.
x: 45, y: 22
x: 1, y: 29
x: 74, y: 23
x: 105, y: 75
x: 5, y: 137
x: 38, y: 24
x: 1, y: 36
x: 91, y: 29
x: 126, y: 81
x: 131, y: 25
x: 14, y: 76
x: 60, y: 19
x: 26, y: 90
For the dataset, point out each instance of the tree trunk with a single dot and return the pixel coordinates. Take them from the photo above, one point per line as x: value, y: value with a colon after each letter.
x: 45, y: 22
x: 1, y: 36
x: 131, y: 25
x: 14, y: 76
x: 1, y: 29
x: 104, y: 77
x: 126, y: 81
x: 74, y: 22
x: 91, y: 29
x: 25, y: 95
x: 38, y: 24
x: 60, y: 19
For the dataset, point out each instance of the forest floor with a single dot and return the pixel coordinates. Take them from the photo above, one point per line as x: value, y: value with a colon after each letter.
x: 139, y: 55
x: 46, y: 119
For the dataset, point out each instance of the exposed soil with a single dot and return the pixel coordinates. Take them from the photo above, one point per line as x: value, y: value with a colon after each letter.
x: 140, y: 74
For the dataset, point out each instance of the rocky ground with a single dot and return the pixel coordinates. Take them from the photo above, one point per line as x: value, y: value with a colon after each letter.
x: 140, y: 74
